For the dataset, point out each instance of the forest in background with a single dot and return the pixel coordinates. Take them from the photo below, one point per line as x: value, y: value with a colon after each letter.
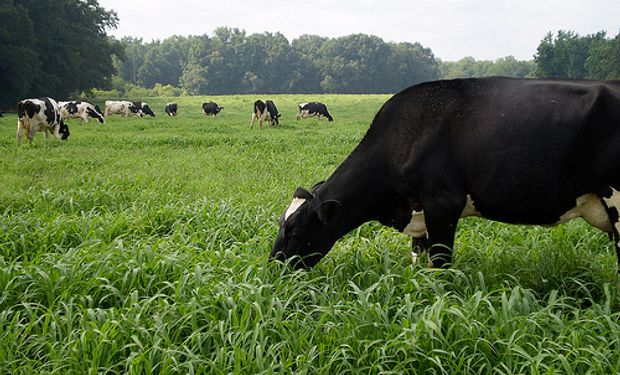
x: 71, y: 55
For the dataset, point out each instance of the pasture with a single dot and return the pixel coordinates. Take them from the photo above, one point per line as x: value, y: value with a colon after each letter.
x: 140, y: 246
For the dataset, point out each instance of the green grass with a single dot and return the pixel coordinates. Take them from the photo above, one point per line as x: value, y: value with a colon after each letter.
x: 140, y: 246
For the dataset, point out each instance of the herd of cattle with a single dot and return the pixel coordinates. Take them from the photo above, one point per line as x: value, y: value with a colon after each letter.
x: 49, y: 116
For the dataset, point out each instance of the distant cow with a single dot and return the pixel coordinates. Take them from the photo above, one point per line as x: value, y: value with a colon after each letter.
x: 40, y: 115
x: 211, y: 109
x: 171, y: 109
x: 313, y: 109
x: 144, y: 108
x: 123, y: 107
x: 265, y: 110
x: 83, y: 110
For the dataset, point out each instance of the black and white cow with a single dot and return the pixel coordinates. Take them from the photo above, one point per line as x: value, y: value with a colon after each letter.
x: 40, y: 115
x: 78, y: 109
x: 211, y: 109
x: 122, y: 107
x: 144, y: 108
x: 265, y: 110
x: 518, y: 151
x: 312, y: 109
x: 171, y: 109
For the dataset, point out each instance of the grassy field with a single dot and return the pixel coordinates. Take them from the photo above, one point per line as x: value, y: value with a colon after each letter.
x: 140, y: 246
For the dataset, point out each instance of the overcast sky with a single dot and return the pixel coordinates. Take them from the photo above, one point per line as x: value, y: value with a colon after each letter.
x: 453, y: 29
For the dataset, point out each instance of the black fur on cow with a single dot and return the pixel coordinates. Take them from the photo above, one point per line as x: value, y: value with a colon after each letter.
x: 143, y: 108
x: 171, y: 109
x: 211, y: 109
x: 312, y: 109
x: 265, y: 110
x: 517, y: 151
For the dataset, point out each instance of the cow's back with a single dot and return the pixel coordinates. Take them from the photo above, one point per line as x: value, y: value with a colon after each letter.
x: 517, y: 146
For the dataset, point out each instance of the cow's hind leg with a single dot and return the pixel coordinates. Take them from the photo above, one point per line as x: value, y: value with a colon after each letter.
x: 611, y: 201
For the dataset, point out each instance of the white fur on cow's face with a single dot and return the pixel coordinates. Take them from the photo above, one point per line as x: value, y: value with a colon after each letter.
x: 295, y: 204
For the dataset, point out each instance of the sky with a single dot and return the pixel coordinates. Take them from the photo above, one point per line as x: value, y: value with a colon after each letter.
x: 452, y: 29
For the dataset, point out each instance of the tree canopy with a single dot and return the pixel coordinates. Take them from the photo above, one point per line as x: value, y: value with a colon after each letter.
x: 54, y: 47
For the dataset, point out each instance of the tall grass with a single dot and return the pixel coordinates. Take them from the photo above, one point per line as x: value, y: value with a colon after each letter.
x: 140, y: 247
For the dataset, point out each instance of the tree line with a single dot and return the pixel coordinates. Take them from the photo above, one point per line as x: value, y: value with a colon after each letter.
x: 70, y: 54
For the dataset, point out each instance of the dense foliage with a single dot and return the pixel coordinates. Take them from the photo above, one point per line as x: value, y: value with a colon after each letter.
x: 232, y: 62
x: 54, y: 48
x: 569, y: 55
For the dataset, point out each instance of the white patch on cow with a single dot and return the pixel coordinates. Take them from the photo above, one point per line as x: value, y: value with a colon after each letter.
x: 295, y: 204
x: 614, y: 201
x: 591, y: 209
x: 417, y: 226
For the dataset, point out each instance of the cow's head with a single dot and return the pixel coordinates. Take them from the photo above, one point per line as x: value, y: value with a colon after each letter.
x: 147, y: 110
x: 95, y: 112
x: 308, y: 229
x: 63, y: 131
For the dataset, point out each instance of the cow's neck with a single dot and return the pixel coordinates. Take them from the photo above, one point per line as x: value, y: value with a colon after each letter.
x: 362, y: 185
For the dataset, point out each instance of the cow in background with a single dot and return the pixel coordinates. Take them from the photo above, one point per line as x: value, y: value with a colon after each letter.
x: 211, y: 109
x: 144, y: 108
x: 122, y: 107
x: 171, y: 109
x: 312, y: 109
x: 265, y: 110
x: 40, y: 115
x: 83, y: 110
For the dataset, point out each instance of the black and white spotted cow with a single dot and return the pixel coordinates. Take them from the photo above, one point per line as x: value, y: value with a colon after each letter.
x: 122, y: 107
x: 78, y: 109
x: 171, y: 109
x: 211, y: 109
x: 312, y: 109
x: 265, y: 110
x: 40, y: 115
x: 518, y: 151
x: 144, y: 108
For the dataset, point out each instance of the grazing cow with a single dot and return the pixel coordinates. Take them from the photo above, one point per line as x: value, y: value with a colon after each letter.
x: 312, y: 109
x: 144, y: 108
x: 518, y: 151
x: 40, y: 115
x: 83, y: 110
x: 265, y: 110
x: 171, y: 109
x: 123, y: 107
x: 211, y: 109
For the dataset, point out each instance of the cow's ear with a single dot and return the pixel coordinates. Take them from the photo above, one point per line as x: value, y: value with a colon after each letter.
x: 302, y: 193
x: 329, y: 211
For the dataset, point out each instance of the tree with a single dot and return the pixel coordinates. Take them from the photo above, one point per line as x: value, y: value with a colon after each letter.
x: 19, y: 63
x: 65, y: 53
x: 565, y: 55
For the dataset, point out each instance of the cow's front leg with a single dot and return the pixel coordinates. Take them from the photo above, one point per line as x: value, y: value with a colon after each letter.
x: 441, y: 218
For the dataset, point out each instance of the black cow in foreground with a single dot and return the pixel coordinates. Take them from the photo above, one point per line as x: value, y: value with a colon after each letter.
x: 211, y: 109
x: 40, y: 115
x: 171, y: 109
x: 312, y: 109
x: 143, y: 108
x: 265, y: 110
x: 518, y: 151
